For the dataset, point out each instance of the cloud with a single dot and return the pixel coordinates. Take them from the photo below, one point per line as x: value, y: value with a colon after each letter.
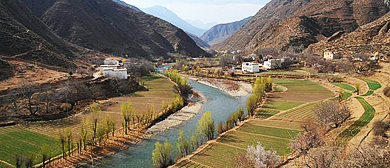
x: 220, y: 11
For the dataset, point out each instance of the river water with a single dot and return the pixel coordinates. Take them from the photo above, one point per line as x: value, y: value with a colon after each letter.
x: 139, y: 155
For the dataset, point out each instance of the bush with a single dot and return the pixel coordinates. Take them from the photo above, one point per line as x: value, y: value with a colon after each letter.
x: 381, y: 127
x: 162, y: 155
x: 387, y: 91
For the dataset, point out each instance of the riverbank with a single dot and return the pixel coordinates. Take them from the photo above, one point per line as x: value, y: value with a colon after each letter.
x: 232, y: 88
x: 177, y: 118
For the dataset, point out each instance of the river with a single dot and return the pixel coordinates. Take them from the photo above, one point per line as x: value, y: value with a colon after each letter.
x: 139, y: 155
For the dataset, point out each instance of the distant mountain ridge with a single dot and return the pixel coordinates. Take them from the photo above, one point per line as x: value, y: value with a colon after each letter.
x: 106, y: 26
x: 167, y: 15
x: 126, y: 4
x: 295, y: 24
x: 221, y: 32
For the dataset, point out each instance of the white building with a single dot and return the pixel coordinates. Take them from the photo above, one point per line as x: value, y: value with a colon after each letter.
x: 112, y: 73
x: 112, y: 69
x: 329, y: 56
x: 276, y: 63
x: 250, y: 67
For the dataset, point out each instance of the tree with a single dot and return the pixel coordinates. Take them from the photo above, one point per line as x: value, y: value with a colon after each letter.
x: 69, y: 140
x: 27, y: 91
x: 16, y: 104
x: 95, y: 111
x: 206, y: 126
x: 45, y: 154
x: 251, y: 104
x: 181, y: 143
x: 258, y: 157
x: 19, y: 161
x: 323, y: 157
x: 29, y: 161
x: 311, y: 137
x: 162, y: 154
x: 357, y: 88
x: 380, y: 128
x: 369, y: 156
x: 127, y: 113
x: 84, y: 135
x: 62, y: 137
x: 331, y: 113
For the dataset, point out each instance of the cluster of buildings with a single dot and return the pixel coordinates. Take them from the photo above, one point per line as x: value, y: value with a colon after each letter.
x: 267, y: 65
x: 113, y: 69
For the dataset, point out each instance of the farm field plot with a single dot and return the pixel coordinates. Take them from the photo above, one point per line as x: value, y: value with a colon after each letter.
x: 16, y: 140
x: 160, y: 89
x: 344, y: 86
x: 298, y: 93
x: 299, y: 114
x: 218, y: 155
x: 277, y: 124
x: 369, y: 112
x: 188, y: 164
x: 372, y: 85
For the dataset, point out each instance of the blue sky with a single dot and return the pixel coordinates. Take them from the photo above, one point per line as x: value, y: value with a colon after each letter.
x: 207, y: 11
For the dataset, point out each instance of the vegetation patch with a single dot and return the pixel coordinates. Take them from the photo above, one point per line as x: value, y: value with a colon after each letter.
x: 281, y: 105
x: 369, y: 112
x: 277, y: 124
x: 344, y: 86
x: 18, y: 141
x: 218, y: 155
x: 187, y: 163
x: 372, y: 84
x: 270, y: 131
x: 369, y: 93
x: 299, y: 114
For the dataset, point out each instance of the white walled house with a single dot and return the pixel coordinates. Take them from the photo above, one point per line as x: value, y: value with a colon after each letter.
x: 112, y: 73
x: 250, y: 67
x: 330, y: 56
x: 272, y: 64
x: 109, y: 61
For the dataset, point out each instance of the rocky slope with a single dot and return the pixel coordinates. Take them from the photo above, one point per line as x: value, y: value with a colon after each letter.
x: 199, y: 41
x: 368, y: 39
x: 127, y: 5
x: 24, y: 36
x: 295, y: 24
x: 111, y: 28
x: 220, y: 32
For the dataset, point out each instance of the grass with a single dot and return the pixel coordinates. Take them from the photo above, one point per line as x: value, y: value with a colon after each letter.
x: 369, y: 112
x: 285, y: 72
x: 372, y: 84
x: 299, y: 114
x: 266, y: 113
x: 369, y: 93
x: 344, y: 86
x: 16, y: 140
x: 277, y: 124
x: 187, y: 164
x: 278, y: 89
x: 270, y: 131
x: 281, y: 105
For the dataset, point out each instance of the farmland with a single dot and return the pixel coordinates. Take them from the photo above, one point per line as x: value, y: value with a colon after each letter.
x: 298, y: 114
x: 372, y: 85
x: 298, y: 92
x: 369, y: 112
x: 344, y: 86
x: 272, y: 135
x: 31, y: 136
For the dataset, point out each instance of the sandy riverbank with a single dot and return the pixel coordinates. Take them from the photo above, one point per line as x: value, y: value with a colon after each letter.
x: 177, y: 118
x: 233, y: 88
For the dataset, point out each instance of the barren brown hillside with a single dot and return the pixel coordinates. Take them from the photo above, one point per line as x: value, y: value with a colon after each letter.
x: 287, y: 24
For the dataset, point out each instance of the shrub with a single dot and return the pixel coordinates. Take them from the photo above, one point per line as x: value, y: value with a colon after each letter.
x: 162, y: 154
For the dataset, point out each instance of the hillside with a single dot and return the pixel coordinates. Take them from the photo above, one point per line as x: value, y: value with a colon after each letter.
x: 287, y: 24
x: 167, y: 15
x: 367, y: 39
x: 199, y: 41
x: 24, y: 36
x: 127, y: 5
x: 220, y: 32
x: 111, y: 28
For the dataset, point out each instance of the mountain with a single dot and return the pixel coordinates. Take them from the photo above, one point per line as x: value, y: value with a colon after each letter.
x: 368, y: 39
x: 221, y: 32
x: 24, y: 36
x: 295, y: 24
x: 200, y: 24
x: 127, y: 5
x: 106, y: 26
x: 166, y: 14
x: 199, y: 41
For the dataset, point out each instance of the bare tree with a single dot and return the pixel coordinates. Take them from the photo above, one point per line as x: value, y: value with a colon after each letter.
x: 258, y: 157
x: 27, y: 91
x: 323, y: 157
x: 16, y: 104
x: 381, y: 127
x: 369, y: 156
x: 311, y: 137
x: 331, y: 113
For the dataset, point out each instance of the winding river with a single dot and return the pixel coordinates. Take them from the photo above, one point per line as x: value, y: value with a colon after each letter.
x: 140, y: 155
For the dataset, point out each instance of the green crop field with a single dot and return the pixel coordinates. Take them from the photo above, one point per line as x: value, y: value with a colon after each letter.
x: 373, y: 85
x: 280, y: 105
x: 218, y: 155
x: 299, y: 114
x: 344, y: 86
x: 270, y: 131
x: 277, y: 124
x: 16, y: 140
x: 369, y: 93
x: 369, y: 112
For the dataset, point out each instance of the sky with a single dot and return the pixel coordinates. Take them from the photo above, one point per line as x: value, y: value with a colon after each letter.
x: 207, y: 11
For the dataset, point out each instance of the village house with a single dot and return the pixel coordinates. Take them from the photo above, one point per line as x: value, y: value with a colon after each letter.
x: 113, y: 69
x: 250, y: 67
x: 330, y: 56
x: 275, y: 63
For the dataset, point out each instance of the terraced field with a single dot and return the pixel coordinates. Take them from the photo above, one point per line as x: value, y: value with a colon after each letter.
x: 344, y: 86
x: 344, y: 137
x: 299, y: 114
x: 16, y: 140
x: 372, y: 85
x: 33, y: 135
x: 298, y: 93
x: 272, y: 135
